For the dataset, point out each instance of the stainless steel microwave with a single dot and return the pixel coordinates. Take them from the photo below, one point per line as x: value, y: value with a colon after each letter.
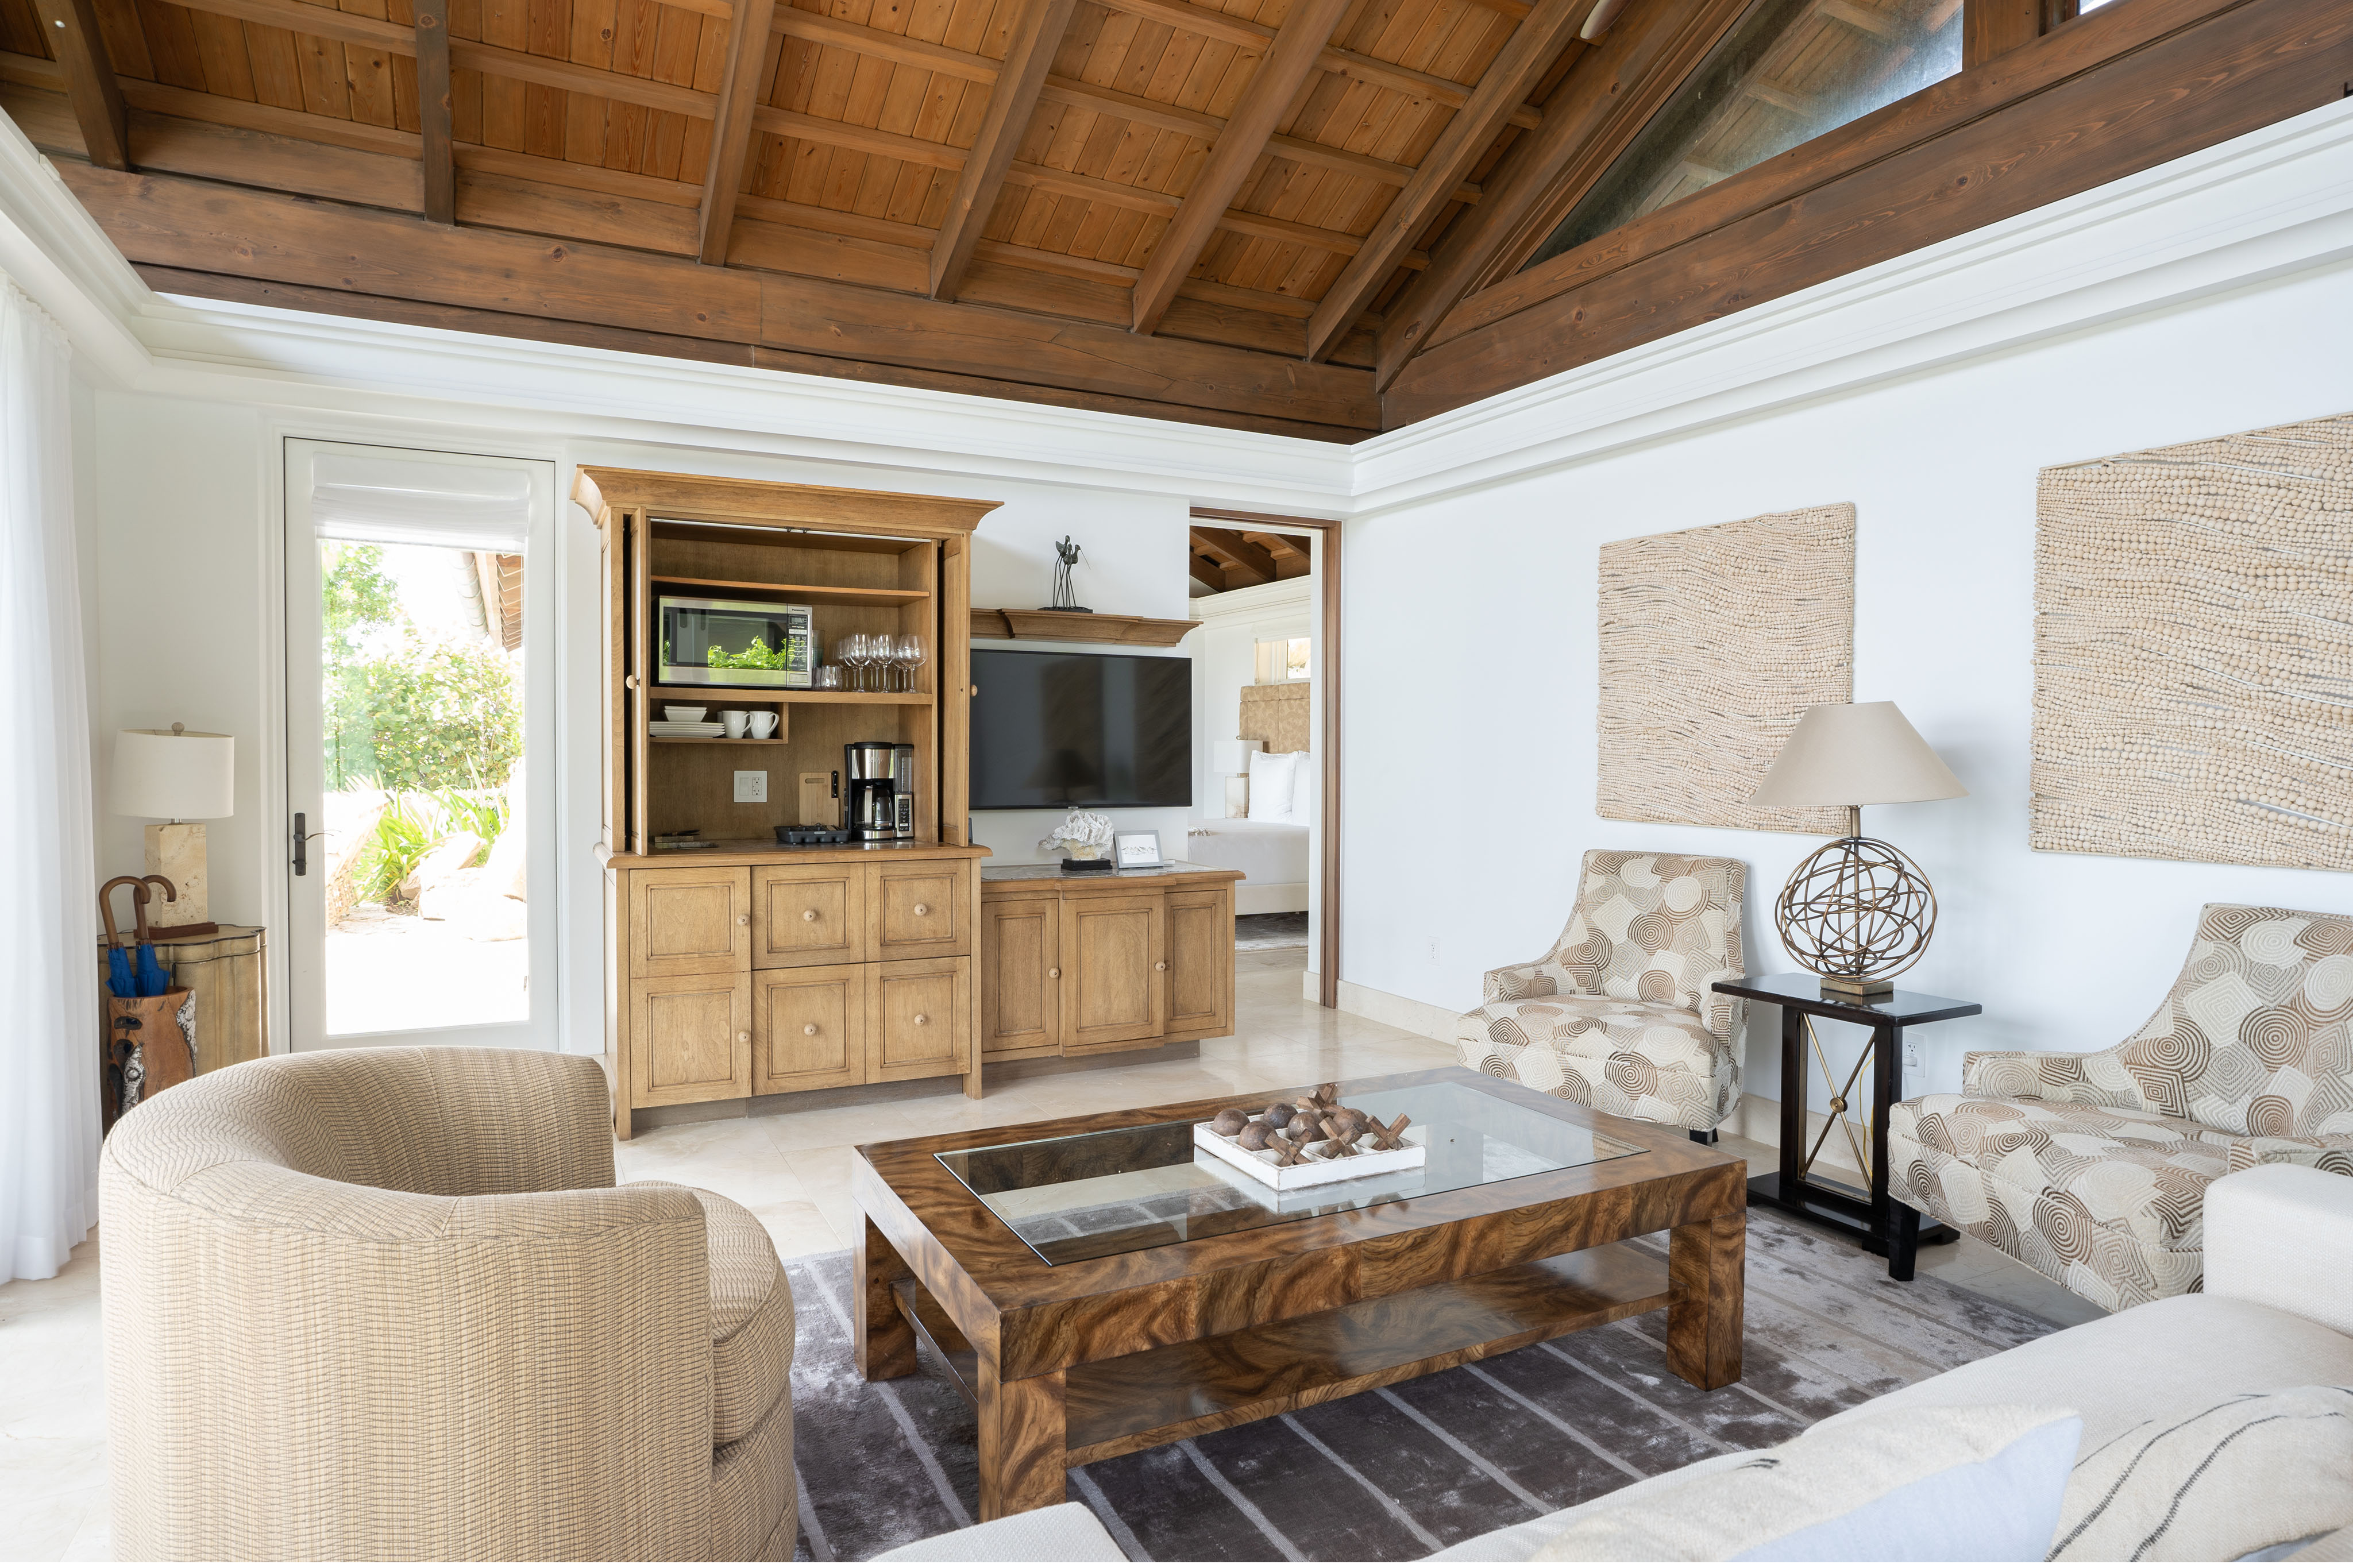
x: 732, y: 642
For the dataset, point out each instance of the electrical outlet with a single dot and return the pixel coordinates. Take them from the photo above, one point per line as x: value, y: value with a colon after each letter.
x: 1433, y: 950
x: 751, y: 784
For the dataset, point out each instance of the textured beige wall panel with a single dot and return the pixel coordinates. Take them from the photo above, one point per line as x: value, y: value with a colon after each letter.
x: 1713, y: 641
x: 2193, y: 651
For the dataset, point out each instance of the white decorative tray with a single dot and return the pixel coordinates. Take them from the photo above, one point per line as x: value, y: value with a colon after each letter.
x: 1312, y: 1171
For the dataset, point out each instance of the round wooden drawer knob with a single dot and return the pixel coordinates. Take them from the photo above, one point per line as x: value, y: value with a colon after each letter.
x: 809, y: 914
x: 1162, y: 964
x: 742, y: 920
x: 922, y: 1018
x: 743, y: 1037
x: 1053, y: 974
x: 809, y: 1028
x: 922, y: 908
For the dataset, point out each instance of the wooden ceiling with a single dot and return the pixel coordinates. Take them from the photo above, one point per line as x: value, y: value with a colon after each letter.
x: 1252, y: 213
x: 1265, y: 178
x: 1228, y: 558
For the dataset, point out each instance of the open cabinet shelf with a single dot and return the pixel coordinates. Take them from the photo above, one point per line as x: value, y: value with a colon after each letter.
x: 802, y: 593
x: 737, y: 697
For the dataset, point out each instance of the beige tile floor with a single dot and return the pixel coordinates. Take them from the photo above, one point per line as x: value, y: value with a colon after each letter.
x: 793, y: 1171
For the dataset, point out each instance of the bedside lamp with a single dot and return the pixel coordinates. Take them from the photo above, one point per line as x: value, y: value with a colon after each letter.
x: 1857, y: 911
x: 176, y: 773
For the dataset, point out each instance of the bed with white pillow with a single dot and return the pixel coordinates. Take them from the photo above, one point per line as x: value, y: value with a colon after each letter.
x: 1268, y: 847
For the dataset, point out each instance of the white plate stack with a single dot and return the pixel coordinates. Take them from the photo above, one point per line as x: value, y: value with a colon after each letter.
x: 703, y: 732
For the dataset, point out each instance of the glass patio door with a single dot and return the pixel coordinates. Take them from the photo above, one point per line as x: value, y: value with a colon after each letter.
x: 421, y: 872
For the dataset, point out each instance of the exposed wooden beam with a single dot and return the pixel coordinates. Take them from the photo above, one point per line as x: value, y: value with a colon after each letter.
x: 828, y: 220
x: 1197, y: 20
x: 1278, y: 544
x: 437, y: 140
x: 1237, y: 555
x: 1205, y: 572
x: 859, y: 138
x: 1086, y: 187
x: 1422, y: 84
x: 1609, y: 95
x: 71, y: 27
x: 874, y: 42
x: 202, y: 226
x: 1990, y: 28
x: 1002, y: 126
x: 1533, y: 46
x: 1271, y: 303
x: 1263, y: 104
x: 1056, y: 261
x: 750, y: 48
x: 1261, y: 227
x: 1128, y: 107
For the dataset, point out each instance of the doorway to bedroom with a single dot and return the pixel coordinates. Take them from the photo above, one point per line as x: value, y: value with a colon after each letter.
x: 1258, y: 791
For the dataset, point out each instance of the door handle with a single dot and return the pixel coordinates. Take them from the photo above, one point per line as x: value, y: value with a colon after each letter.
x: 302, y: 843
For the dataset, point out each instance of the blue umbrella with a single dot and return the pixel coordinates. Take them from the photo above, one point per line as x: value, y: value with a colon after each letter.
x: 120, y: 980
x: 149, y: 976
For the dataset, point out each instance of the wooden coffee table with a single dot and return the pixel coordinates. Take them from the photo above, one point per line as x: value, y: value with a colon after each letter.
x: 1154, y: 1298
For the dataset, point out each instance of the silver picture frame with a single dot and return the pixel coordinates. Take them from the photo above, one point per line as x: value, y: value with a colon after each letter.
x: 1136, y: 851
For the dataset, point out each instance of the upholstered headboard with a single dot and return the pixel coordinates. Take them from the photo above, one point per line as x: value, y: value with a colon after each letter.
x: 1276, y: 715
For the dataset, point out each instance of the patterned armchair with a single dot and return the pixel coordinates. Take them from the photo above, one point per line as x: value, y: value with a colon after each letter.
x: 1618, y: 1014
x: 2092, y: 1170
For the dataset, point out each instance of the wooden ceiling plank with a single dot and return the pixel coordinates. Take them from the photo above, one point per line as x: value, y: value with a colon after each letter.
x: 856, y: 138
x: 1086, y: 187
x: 1299, y: 150
x: 1198, y: 20
x: 1007, y: 119
x: 829, y: 220
x: 1055, y: 261
x: 478, y: 159
x: 1609, y: 95
x: 1214, y: 293
x: 1278, y: 80
x: 877, y: 43
x: 1129, y: 107
x: 1422, y: 84
x: 749, y: 47
x: 436, y: 132
x: 1205, y: 572
x: 1533, y: 46
x: 1237, y: 554
x: 71, y: 27
x: 1260, y: 226
x: 157, y: 98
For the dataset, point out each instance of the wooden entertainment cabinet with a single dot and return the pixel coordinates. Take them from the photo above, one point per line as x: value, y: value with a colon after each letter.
x: 750, y: 967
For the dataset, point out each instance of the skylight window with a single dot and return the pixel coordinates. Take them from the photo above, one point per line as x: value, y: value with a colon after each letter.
x: 1786, y: 72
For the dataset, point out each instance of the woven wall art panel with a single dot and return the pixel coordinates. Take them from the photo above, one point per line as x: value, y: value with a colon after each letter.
x: 1713, y: 641
x: 2193, y: 651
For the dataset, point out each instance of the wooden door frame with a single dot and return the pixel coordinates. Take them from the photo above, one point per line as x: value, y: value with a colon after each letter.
x: 1327, y: 532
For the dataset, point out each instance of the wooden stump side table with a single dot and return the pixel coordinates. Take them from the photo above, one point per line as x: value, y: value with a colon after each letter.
x: 1884, y: 1226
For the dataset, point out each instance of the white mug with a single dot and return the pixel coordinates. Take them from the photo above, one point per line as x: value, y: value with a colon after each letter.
x: 763, y: 726
x: 734, y: 718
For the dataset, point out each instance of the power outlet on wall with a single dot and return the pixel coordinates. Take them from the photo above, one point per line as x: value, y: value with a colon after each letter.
x: 1433, y: 950
x: 751, y: 784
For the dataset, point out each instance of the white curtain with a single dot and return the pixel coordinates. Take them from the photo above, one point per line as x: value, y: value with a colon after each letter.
x: 48, y: 887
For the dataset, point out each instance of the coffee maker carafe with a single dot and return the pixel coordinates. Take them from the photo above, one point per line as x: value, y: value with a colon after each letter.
x: 881, y: 779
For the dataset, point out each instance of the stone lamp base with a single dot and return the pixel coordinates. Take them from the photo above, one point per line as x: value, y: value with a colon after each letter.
x: 175, y: 852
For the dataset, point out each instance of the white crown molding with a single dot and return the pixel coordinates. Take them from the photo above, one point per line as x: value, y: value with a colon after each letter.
x: 1258, y: 599
x: 2272, y: 202
x: 56, y: 254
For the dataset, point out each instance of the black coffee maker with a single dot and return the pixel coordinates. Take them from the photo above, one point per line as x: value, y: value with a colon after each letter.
x: 878, y: 789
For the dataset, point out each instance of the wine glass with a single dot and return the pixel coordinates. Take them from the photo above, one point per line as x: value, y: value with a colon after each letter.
x: 910, y: 654
x: 853, y: 650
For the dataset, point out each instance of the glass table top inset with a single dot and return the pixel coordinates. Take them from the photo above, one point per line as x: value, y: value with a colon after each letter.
x: 1098, y: 1193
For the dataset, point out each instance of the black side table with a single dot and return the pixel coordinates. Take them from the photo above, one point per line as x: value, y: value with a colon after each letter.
x: 1888, y: 1228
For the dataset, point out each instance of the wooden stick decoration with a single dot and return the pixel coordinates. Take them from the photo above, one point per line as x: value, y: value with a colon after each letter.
x: 1340, y: 1140
x: 1387, y: 1137
x: 1327, y: 1097
x: 1286, y: 1153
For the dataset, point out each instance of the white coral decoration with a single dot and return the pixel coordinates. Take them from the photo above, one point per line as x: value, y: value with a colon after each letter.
x: 1081, y: 835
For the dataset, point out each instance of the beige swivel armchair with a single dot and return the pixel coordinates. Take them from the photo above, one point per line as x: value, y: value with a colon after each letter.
x: 1618, y: 1016
x: 389, y: 1304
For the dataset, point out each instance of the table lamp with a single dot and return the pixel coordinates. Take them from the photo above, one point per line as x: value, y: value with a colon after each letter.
x: 1231, y: 758
x: 176, y: 773
x: 1857, y: 911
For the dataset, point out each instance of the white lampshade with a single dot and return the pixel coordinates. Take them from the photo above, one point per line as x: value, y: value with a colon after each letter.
x: 177, y: 773
x: 1855, y: 754
x: 1232, y: 756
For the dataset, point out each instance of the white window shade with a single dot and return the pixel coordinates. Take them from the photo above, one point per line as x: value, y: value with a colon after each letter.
x: 393, y: 501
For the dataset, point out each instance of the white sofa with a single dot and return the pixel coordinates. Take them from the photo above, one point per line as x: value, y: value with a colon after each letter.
x: 2276, y: 1313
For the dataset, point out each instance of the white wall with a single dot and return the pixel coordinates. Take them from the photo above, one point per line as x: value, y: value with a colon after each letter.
x: 2065, y: 952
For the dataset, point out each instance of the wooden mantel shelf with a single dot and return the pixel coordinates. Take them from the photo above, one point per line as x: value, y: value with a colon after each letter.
x: 1065, y: 626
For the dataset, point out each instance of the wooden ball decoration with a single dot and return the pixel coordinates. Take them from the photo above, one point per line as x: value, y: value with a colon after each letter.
x: 1856, y: 910
x: 1229, y: 1121
x: 1279, y: 1113
x: 1302, y: 1126
x: 1252, y: 1136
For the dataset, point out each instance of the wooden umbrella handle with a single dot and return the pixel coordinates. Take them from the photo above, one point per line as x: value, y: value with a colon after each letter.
x: 106, y: 911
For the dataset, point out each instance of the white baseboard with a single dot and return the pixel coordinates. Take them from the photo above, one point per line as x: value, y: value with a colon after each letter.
x: 1756, y: 1118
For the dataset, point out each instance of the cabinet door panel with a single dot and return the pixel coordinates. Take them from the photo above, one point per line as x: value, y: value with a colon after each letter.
x: 1113, y: 979
x: 690, y: 920
x: 809, y: 1027
x: 1022, y: 974
x: 807, y: 914
x: 918, y: 1018
x: 917, y: 910
x: 1200, y: 963
x: 692, y: 1038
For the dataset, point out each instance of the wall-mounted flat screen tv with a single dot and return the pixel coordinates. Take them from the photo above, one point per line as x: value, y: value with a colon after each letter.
x: 1057, y: 729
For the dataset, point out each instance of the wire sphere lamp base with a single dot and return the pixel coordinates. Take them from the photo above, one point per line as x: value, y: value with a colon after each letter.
x: 1858, y: 912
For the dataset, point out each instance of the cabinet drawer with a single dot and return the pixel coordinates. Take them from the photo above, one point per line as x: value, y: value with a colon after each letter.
x: 692, y: 1038
x: 918, y: 1018
x: 809, y: 914
x: 690, y: 920
x: 809, y: 1027
x: 919, y: 909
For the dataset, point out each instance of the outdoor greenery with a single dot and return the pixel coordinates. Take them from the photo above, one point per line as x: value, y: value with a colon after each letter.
x: 408, y: 708
x: 403, y: 833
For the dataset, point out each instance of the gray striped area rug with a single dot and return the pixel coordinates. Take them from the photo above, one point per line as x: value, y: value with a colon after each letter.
x: 1399, y: 1472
